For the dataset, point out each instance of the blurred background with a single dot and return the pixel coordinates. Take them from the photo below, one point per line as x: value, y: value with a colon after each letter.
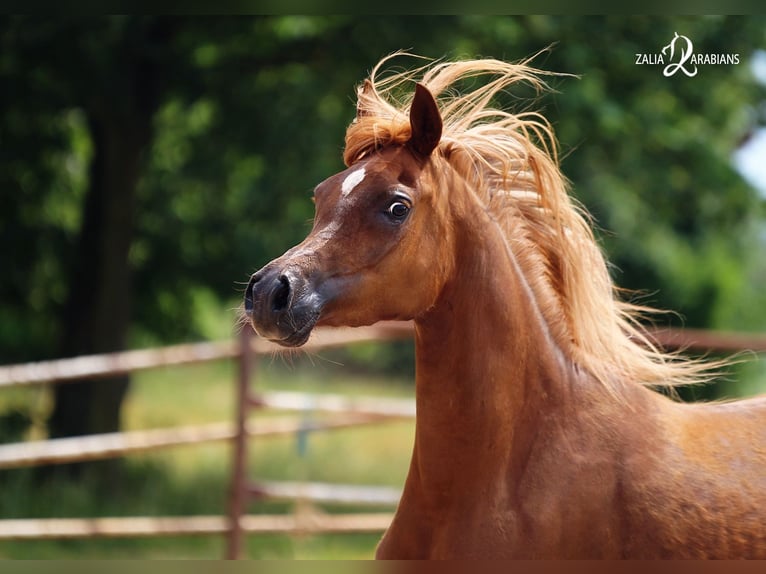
x: 148, y: 165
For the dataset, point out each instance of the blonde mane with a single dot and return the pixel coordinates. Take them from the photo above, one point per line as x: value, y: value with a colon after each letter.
x: 511, y: 162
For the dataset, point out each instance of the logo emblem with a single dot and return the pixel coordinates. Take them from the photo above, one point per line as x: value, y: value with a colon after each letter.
x: 679, y: 55
x: 680, y: 46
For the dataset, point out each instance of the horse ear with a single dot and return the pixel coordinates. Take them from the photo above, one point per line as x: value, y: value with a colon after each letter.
x: 425, y: 122
x: 364, y: 91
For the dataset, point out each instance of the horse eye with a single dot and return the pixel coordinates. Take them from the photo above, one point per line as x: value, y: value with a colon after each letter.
x: 398, y: 210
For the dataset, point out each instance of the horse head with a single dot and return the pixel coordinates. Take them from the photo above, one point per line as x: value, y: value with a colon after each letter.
x: 372, y: 245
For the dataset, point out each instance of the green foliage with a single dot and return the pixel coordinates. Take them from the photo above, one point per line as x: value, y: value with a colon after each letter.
x: 252, y: 115
x: 681, y: 223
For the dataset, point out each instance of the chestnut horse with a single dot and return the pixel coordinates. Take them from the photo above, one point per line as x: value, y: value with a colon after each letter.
x: 537, y: 432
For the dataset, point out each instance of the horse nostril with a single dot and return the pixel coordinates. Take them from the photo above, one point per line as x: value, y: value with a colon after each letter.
x: 249, y: 295
x: 281, y: 295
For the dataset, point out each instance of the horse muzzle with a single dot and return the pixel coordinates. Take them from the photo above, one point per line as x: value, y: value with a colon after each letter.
x: 282, y: 306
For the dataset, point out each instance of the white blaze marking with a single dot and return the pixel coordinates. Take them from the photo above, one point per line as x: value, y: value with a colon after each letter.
x: 352, y: 180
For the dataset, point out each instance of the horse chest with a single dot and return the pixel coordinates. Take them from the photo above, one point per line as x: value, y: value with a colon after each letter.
x: 554, y: 508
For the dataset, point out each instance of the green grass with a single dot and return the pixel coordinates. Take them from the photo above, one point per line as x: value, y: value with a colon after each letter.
x: 193, y: 480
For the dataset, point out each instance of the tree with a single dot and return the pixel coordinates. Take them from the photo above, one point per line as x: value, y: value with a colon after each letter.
x: 119, y: 109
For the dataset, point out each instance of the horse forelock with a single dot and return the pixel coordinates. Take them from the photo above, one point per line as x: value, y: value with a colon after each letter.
x: 511, y: 162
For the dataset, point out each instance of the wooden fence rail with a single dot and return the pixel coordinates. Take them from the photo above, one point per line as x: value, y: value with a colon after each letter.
x: 142, y: 526
x: 111, y: 445
x: 702, y: 340
x: 108, y: 364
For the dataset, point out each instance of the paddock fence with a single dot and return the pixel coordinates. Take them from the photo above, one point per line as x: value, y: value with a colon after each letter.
x: 236, y: 523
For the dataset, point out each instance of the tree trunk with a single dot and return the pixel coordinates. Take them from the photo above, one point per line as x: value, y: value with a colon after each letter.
x: 97, y: 312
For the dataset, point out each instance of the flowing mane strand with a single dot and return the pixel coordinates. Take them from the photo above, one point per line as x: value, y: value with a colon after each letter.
x: 510, y: 161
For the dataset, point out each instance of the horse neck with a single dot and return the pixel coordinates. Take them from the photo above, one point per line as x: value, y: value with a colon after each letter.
x: 485, y: 357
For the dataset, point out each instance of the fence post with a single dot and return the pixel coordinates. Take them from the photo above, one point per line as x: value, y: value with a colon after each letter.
x: 238, y: 494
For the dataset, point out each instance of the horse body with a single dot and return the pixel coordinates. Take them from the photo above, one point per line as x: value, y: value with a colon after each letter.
x: 534, y: 437
x: 519, y: 455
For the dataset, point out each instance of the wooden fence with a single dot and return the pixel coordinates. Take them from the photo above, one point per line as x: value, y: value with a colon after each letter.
x: 235, y: 524
x: 346, y: 411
